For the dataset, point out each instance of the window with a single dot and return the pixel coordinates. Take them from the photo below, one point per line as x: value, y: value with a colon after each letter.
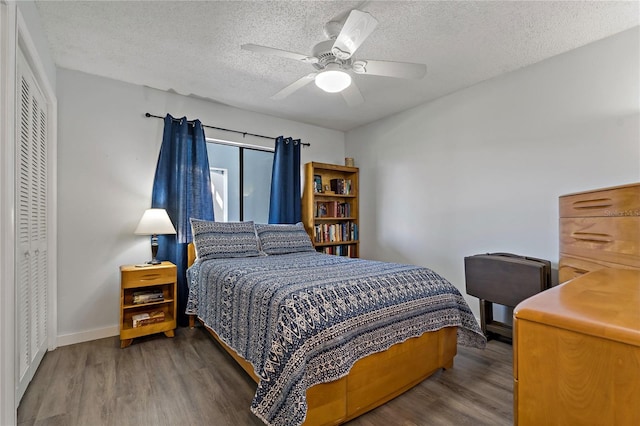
x: 240, y: 181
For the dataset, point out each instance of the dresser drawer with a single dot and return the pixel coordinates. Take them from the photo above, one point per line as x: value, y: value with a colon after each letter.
x: 621, y: 201
x: 137, y: 277
x: 571, y: 267
x: 609, y: 239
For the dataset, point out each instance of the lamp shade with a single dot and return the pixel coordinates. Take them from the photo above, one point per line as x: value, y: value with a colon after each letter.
x: 333, y: 80
x: 155, y: 222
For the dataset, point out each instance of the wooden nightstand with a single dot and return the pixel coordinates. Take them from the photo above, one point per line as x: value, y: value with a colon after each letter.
x: 146, y: 283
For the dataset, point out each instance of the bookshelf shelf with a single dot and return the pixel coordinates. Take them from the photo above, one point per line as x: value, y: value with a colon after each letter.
x: 330, y: 208
x: 138, y: 305
x: 320, y: 195
x: 342, y: 243
x: 157, y: 280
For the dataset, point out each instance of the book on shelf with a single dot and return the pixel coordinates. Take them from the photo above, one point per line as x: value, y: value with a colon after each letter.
x: 317, y: 183
x: 147, y: 296
x: 340, y: 250
x: 335, y: 232
x: 341, y: 186
x: 332, y: 209
x: 147, y: 318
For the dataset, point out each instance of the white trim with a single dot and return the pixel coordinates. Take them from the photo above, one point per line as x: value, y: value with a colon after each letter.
x: 86, y: 336
x: 31, y: 53
x: 8, y: 412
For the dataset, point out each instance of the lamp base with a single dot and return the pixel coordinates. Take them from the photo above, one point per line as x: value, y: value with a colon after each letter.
x: 154, y: 250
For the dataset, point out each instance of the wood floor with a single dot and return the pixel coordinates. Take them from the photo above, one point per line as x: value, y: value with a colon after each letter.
x: 190, y: 380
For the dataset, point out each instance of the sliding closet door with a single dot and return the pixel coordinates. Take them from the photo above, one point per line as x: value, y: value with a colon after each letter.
x: 31, y: 224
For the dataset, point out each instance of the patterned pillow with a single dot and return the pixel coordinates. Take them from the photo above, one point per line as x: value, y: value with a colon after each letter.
x: 283, y: 239
x: 218, y: 240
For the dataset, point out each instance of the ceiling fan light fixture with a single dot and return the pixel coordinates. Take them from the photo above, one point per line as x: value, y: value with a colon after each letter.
x: 333, y: 81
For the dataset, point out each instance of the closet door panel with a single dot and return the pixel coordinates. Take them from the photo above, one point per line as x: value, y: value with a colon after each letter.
x: 41, y: 242
x: 23, y: 254
x: 32, y: 226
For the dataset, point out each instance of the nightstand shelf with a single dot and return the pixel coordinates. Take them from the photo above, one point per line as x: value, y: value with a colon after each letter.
x: 147, y: 329
x: 147, y: 304
x: 156, y: 278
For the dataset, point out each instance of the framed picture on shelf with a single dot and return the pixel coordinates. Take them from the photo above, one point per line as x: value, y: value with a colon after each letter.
x: 322, y: 210
x: 317, y: 183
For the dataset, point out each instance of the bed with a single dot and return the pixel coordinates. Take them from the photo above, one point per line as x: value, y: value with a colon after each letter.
x: 326, y: 338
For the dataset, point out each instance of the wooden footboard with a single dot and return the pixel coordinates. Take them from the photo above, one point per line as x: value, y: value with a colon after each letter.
x: 373, y: 380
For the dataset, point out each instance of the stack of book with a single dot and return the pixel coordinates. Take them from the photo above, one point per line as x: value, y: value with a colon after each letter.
x: 147, y: 296
x: 147, y: 318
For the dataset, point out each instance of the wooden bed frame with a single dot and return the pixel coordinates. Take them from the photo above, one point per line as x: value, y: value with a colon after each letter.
x: 373, y: 380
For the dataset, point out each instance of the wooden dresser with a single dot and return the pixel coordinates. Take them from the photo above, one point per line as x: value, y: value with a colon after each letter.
x: 577, y: 352
x: 599, y: 229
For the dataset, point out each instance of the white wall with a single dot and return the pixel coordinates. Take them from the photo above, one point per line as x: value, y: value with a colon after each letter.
x: 107, y: 154
x: 481, y: 170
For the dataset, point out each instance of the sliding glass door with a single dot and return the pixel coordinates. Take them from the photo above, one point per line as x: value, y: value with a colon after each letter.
x: 241, y: 181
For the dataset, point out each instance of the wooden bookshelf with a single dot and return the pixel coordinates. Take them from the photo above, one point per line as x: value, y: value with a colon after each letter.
x: 331, y: 216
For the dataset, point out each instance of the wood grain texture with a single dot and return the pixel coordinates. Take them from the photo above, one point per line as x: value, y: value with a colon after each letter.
x: 599, y: 229
x: 623, y: 200
x: 571, y: 267
x: 132, y: 279
x: 191, y: 380
x: 577, y: 352
x: 611, y: 239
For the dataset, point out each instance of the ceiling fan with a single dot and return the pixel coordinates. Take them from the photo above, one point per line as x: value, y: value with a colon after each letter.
x: 333, y: 58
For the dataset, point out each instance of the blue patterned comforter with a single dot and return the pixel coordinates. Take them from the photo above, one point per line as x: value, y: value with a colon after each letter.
x: 305, y: 318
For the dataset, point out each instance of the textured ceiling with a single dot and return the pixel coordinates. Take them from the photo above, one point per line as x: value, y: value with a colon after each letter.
x: 193, y: 48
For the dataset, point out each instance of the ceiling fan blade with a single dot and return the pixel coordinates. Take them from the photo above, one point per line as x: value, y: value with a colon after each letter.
x: 298, y: 84
x: 342, y: 17
x: 278, y: 52
x: 352, y: 95
x: 358, y: 26
x: 390, y: 69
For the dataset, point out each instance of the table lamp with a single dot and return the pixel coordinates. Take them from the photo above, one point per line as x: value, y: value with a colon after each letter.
x: 154, y: 222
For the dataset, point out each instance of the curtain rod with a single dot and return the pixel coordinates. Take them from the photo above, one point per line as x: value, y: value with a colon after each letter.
x: 244, y: 134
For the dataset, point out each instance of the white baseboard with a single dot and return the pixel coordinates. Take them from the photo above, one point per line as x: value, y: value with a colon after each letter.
x: 86, y: 336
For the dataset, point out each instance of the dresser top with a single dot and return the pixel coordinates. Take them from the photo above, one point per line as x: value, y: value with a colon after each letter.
x: 611, y: 188
x: 603, y: 303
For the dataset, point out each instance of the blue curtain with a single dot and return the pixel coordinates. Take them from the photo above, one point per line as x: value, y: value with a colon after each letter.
x: 285, y: 205
x: 182, y: 186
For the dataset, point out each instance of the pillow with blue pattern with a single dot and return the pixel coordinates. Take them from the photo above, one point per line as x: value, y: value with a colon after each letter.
x: 283, y: 239
x: 219, y: 240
